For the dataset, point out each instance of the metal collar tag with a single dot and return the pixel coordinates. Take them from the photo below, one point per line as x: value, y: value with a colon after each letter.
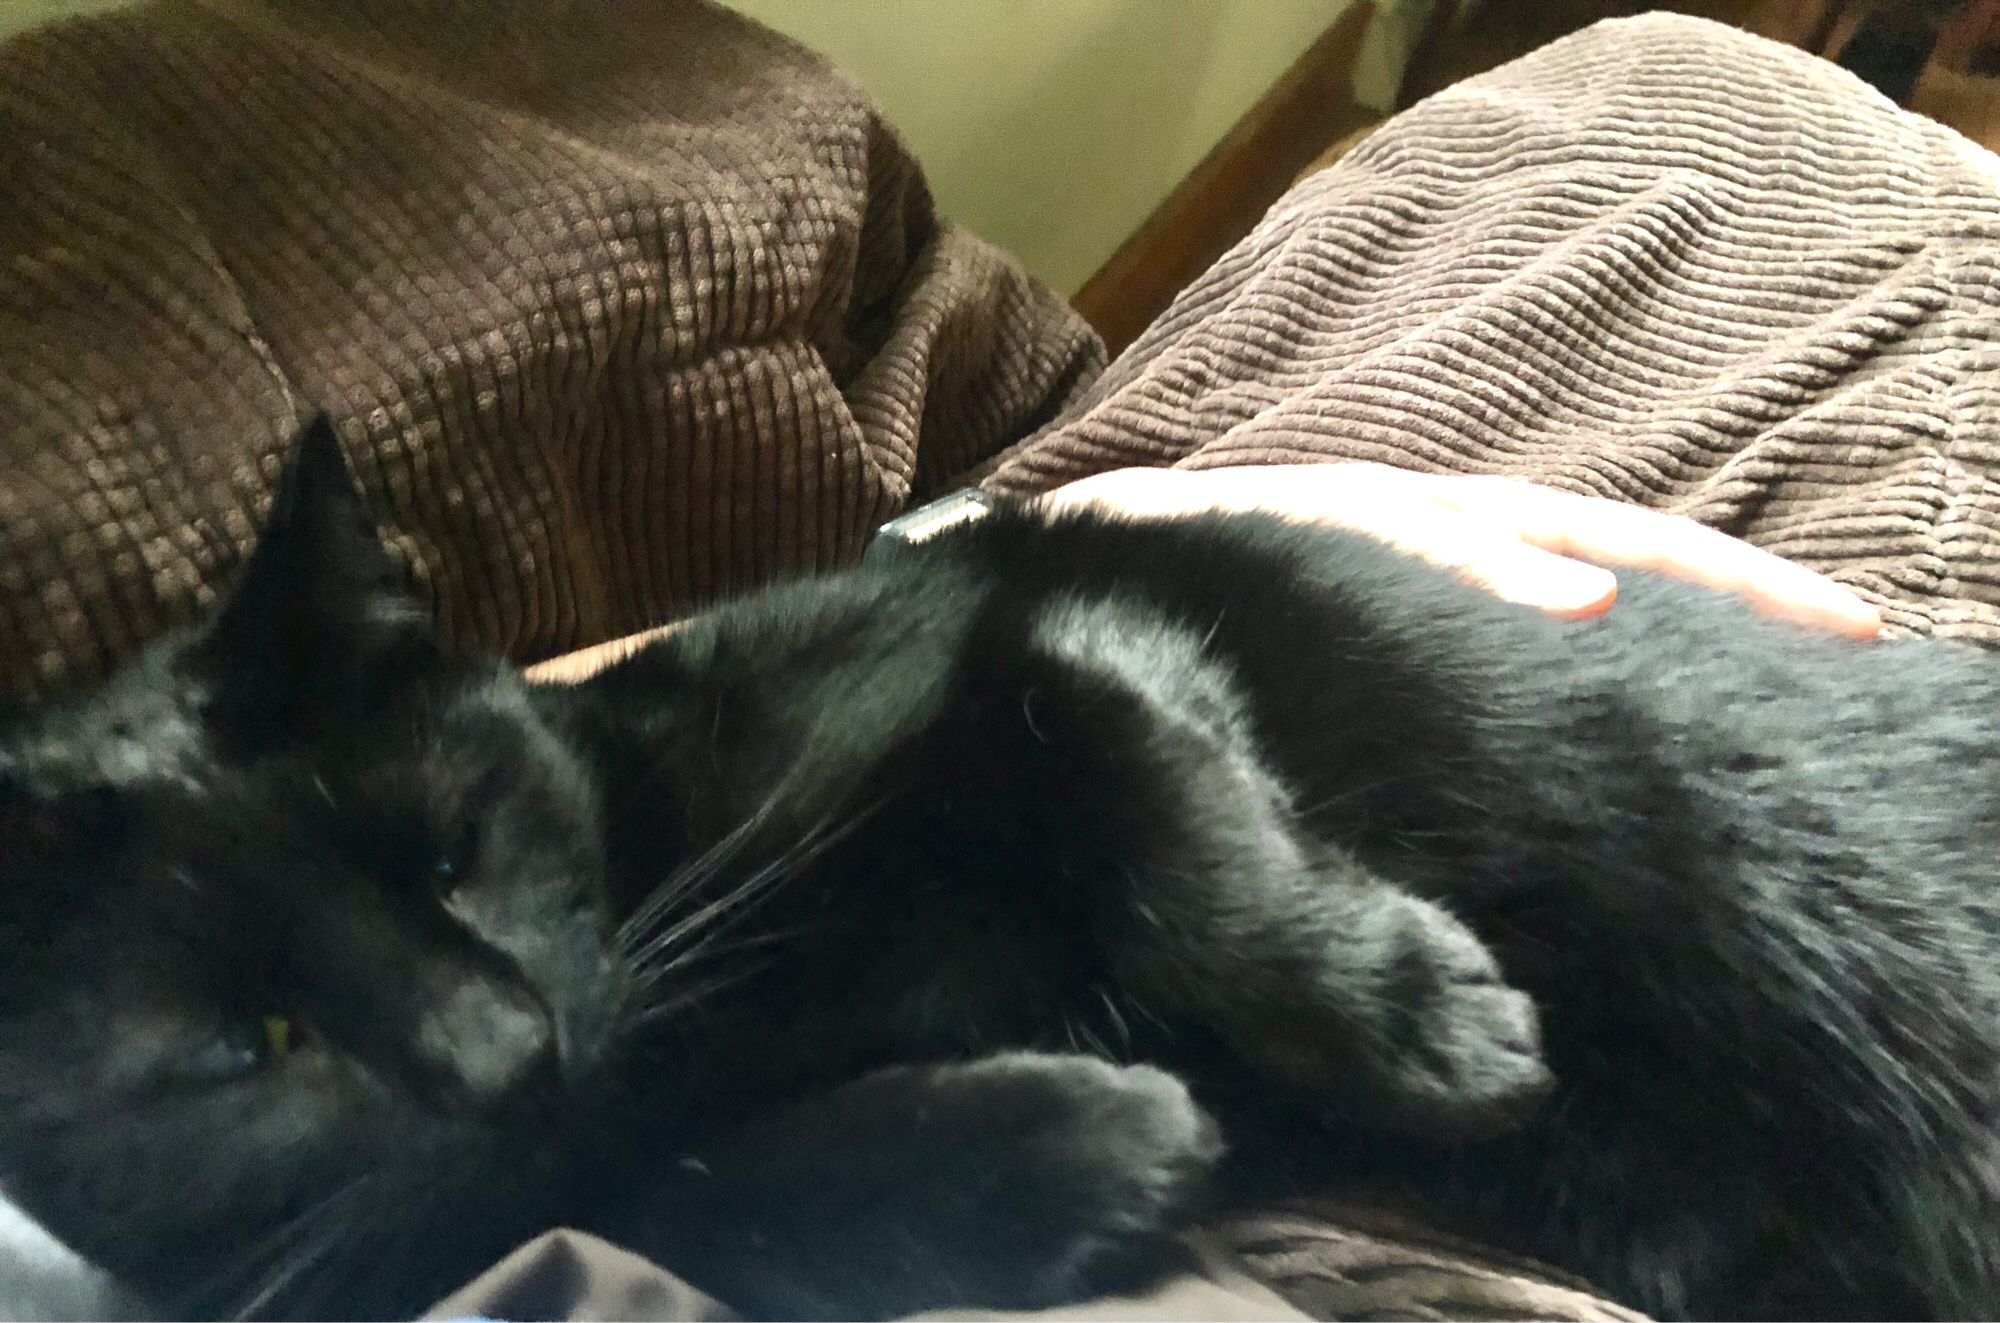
x: 927, y: 521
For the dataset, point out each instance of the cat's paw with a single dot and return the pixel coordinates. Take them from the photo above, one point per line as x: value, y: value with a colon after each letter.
x: 1464, y: 1056
x: 1018, y: 1181
x: 1412, y: 1027
x: 1107, y: 1161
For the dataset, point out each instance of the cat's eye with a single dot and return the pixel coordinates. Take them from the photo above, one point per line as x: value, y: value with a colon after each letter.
x: 239, y: 1050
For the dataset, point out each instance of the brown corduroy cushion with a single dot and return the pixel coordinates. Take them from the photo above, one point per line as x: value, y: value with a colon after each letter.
x: 618, y: 307
x: 1660, y: 261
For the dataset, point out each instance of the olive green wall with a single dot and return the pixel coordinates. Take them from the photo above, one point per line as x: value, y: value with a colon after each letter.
x: 19, y: 15
x: 1054, y: 127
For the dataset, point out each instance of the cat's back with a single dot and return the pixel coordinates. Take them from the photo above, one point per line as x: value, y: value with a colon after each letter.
x: 1893, y: 737
x: 1327, y: 606
x: 1362, y: 658
x: 1356, y: 657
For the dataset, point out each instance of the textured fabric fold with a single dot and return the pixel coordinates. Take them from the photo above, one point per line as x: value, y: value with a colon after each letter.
x: 619, y: 308
x: 1661, y: 261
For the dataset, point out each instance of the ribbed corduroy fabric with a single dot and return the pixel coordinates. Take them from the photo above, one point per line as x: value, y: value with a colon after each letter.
x: 1659, y: 260
x: 619, y: 307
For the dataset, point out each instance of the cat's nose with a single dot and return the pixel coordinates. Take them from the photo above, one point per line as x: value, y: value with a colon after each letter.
x: 488, y: 1044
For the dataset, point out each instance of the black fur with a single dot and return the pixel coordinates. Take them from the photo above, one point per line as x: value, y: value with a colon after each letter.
x: 1224, y: 789
x: 300, y: 809
x: 296, y: 810
x: 1660, y: 947
x: 1017, y: 1180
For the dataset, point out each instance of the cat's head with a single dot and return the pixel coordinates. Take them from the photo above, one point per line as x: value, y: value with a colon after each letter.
x: 301, y: 925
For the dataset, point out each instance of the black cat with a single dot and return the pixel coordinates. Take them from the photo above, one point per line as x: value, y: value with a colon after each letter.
x: 313, y: 1002
x: 713, y: 953
x: 1236, y: 796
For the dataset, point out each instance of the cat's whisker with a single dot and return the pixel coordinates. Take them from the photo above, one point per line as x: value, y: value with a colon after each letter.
x: 710, y: 948
x: 273, y: 1262
x: 692, y: 874
x: 734, y: 906
x: 1214, y: 629
x: 1117, y: 1018
x: 740, y: 900
x: 1347, y: 795
x: 306, y: 1251
x: 658, y: 958
x: 732, y: 839
x: 1139, y: 1008
x: 684, y: 881
x: 301, y: 1263
x: 690, y: 997
x: 662, y: 955
x: 734, y: 902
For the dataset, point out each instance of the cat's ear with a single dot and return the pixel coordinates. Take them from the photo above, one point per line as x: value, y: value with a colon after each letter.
x: 320, y: 611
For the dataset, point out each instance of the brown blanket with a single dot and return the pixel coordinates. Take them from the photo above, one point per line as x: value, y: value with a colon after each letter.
x: 1300, y: 1262
x: 621, y: 307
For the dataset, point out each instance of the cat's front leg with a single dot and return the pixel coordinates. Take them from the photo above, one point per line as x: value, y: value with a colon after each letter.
x: 1017, y: 1181
x: 1379, y: 1007
x: 1209, y: 902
